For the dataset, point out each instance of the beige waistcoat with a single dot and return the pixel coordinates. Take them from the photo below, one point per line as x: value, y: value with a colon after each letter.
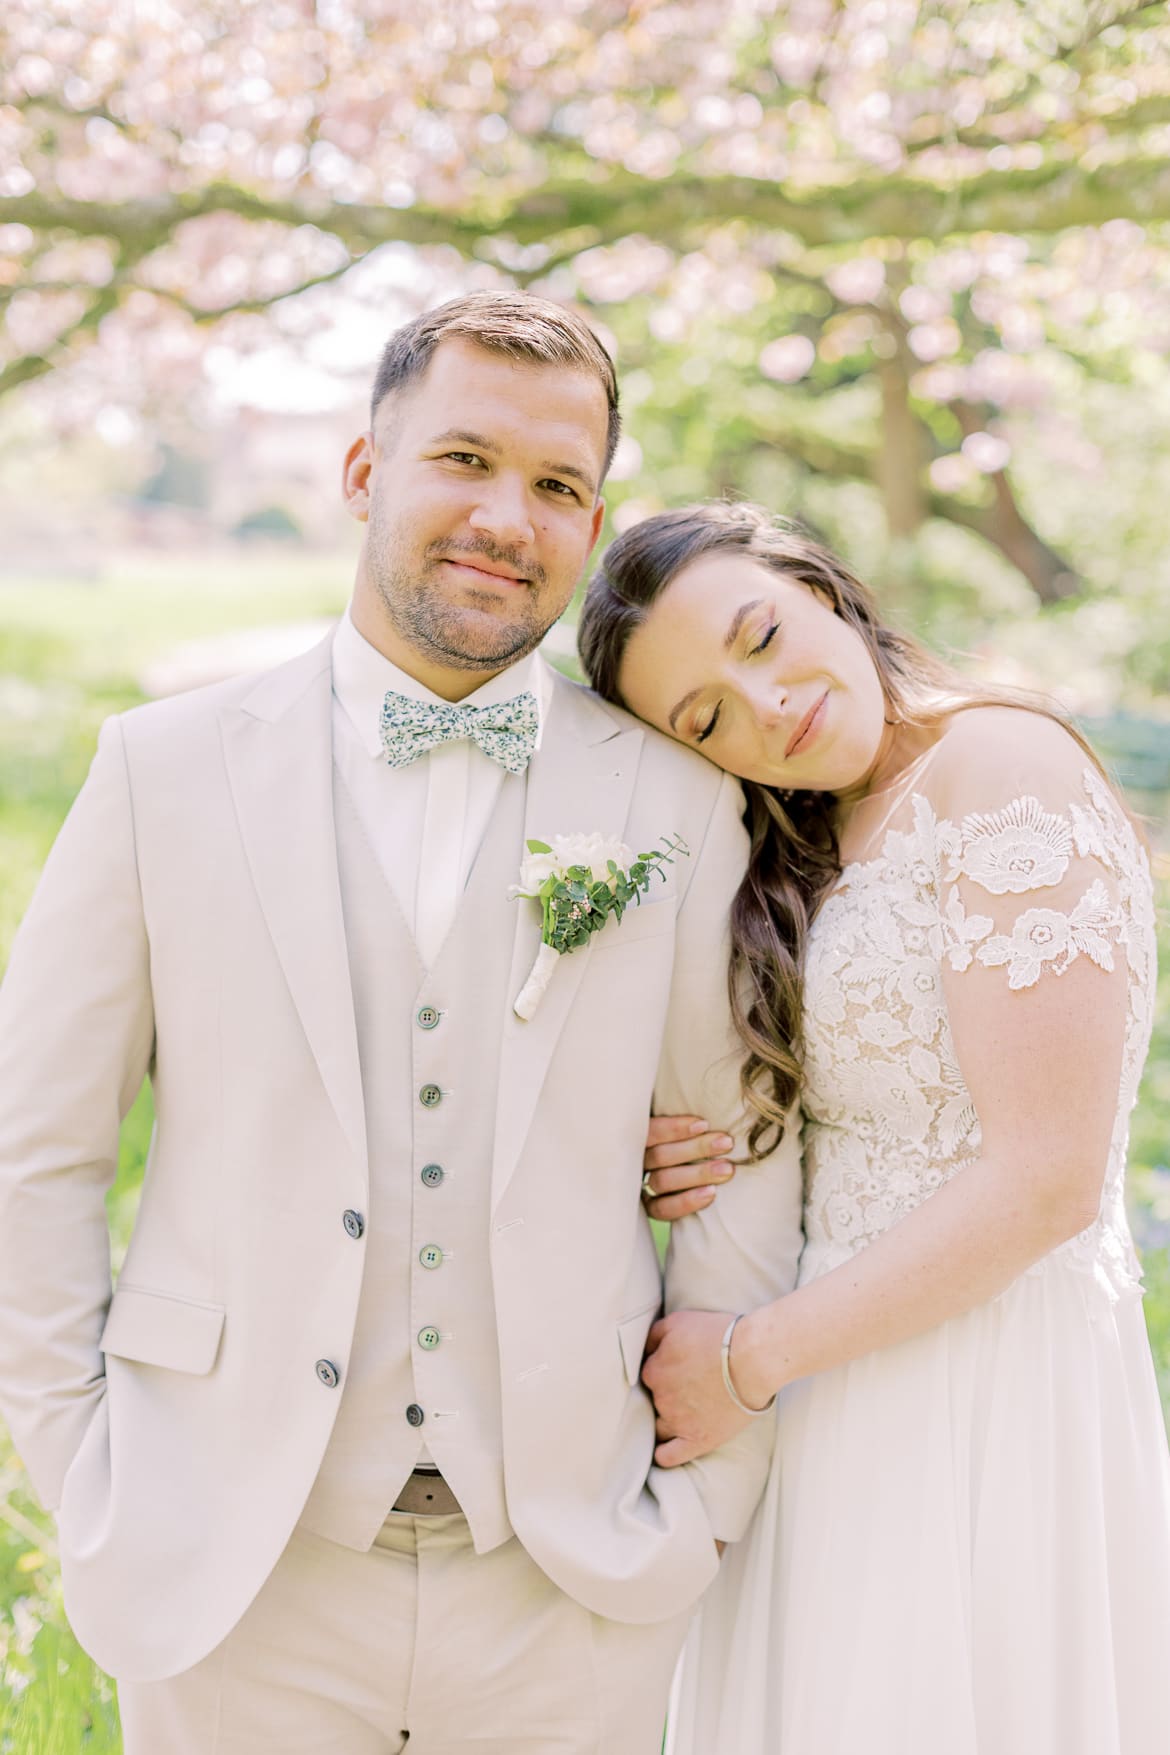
x: 405, y: 1301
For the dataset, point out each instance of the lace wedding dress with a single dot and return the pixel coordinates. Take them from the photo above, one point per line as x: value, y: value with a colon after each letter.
x: 964, y: 1546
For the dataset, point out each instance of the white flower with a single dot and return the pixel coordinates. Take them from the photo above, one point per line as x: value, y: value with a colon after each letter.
x: 594, y: 850
x: 1041, y: 935
x: 920, y: 984
x: 1038, y: 936
x: 881, y: 1029
x: 892, y: 1094
x: 1020, y: 848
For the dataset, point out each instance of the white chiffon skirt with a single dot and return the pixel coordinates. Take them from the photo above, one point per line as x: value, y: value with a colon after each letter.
x: 963, y: 1549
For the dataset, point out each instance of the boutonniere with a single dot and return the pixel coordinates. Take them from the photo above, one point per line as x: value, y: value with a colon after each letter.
x: 581, y: 883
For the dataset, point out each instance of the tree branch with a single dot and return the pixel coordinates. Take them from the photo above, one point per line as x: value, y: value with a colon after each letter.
x: 35, y: 365
x: 1045, y: 199
x: 212, y: 314
x: 1001, y: 524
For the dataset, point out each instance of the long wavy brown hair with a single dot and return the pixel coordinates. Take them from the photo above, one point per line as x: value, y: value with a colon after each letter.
x: 795, y: 855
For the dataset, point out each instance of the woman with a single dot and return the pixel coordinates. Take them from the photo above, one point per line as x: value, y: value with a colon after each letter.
x: 944, y: 946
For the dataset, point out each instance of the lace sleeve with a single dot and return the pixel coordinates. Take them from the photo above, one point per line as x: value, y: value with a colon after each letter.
x: 1044, y: 915
x: 1035, y: 886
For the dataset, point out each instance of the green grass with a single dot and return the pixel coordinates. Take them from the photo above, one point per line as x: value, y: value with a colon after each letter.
x: 69, y: 655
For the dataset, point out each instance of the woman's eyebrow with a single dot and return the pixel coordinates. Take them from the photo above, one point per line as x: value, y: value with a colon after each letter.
x: 737, y: 621
x: 681, y: 707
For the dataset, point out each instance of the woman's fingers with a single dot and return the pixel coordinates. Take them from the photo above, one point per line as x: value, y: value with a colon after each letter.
x: 664, y: 1128
x: 695, y: 1149
x: 677, y: 1206
x: 680, y: 1177
x: 672, y: 1194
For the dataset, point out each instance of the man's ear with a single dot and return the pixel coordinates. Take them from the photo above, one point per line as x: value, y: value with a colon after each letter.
x: 355, y: 477
x: 598, y: 521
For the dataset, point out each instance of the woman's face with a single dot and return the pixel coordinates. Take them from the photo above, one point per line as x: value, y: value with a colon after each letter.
x: 758, y: 673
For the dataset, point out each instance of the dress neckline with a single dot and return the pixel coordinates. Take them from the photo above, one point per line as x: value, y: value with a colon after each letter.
x: 893, y: 795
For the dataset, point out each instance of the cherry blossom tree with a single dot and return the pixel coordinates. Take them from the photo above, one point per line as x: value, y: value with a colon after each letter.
x: 890, y: 230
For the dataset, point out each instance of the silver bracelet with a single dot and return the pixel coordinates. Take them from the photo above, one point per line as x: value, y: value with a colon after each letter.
x: 725, y: 1367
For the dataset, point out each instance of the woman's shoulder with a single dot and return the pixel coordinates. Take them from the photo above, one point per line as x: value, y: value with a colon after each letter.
x: 991, y: 756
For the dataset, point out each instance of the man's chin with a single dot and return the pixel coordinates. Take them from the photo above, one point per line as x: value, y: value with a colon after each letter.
x: 479, y: 642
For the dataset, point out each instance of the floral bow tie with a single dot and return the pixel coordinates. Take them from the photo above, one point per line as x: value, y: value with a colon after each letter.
x: 505, y: 731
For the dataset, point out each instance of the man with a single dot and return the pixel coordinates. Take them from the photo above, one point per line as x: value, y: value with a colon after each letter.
x: 357, y: 1456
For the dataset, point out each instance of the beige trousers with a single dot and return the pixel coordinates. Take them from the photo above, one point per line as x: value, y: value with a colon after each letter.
x: 420, y: 1646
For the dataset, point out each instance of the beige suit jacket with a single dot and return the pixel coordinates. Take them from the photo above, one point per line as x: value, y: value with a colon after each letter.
x: 188, y: 928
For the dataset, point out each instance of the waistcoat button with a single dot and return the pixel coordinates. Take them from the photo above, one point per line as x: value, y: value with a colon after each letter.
x: 431, y: 1255
x: 414, y: 1415
x: 328, y: 1373
x: 430, y: 1096
x: 432, y: 1174
x: 427, y: 1017
x: 429, y: 1338
x: 354, y: 1224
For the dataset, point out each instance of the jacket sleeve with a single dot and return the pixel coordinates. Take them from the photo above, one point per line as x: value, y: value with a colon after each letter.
x: 742, y: 1250
x: 76, y: 1035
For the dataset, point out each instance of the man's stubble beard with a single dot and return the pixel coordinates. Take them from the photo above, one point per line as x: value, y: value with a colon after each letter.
x: 455, y: 636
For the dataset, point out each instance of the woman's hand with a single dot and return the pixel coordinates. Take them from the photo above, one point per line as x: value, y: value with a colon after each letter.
x: 683, y: 1166
x: 684, y: 1374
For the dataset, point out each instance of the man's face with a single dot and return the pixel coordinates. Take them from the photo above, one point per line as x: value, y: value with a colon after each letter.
x: 479, y: 488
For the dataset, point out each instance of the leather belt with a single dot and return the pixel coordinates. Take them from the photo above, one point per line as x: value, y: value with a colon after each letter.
x: 426, y: 1494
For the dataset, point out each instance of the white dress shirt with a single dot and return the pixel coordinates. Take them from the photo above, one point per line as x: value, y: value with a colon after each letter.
x: 425, y: 822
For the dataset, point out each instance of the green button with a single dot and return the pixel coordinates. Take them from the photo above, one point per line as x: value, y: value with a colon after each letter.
x: 432, y: 1174
x: 429, y: 1338
x: 428, y: 1017
x: 430, y: 1096
x: 431, y: 1255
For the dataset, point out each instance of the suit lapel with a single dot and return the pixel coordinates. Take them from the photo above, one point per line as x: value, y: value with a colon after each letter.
x: 278, y: 746
x: 580, y: 780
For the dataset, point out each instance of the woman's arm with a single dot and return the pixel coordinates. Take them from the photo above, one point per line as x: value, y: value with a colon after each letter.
x: 1041, y: 1060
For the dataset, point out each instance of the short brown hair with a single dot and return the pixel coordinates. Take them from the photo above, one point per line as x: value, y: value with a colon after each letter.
x: 516, y: 324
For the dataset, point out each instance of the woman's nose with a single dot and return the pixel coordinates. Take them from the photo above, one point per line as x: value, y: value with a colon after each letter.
x: 768, y: 706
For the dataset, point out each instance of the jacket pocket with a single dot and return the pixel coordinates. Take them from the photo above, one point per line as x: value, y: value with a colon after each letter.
x: 154, y: 1328
x: 632, y: 1332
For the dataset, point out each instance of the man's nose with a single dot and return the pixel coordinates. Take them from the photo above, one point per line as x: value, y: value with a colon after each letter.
x: 502, y: 511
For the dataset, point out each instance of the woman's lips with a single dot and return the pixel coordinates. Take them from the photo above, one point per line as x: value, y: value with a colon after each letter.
x: 808, y: 726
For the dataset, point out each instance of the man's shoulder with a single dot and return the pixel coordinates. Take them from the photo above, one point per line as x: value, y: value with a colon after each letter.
x: 195, y: 712
x: 670, y: 762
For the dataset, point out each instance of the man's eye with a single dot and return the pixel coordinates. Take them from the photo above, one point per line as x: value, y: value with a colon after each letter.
x: 462, y: 457
x: 765, y: 642
x: 559, y: 487
x: 702, y: 736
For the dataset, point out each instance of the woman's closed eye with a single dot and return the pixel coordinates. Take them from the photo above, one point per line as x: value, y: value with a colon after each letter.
x: 704, y: 733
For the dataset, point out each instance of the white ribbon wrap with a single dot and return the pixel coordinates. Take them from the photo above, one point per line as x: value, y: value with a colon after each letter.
x: 540, y: 975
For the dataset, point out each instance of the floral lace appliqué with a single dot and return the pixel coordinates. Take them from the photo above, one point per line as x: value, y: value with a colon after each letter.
x: 888, y: 1117
x: 1020, y: 848
x: 1042, y: 936
x: 1023, y: 848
